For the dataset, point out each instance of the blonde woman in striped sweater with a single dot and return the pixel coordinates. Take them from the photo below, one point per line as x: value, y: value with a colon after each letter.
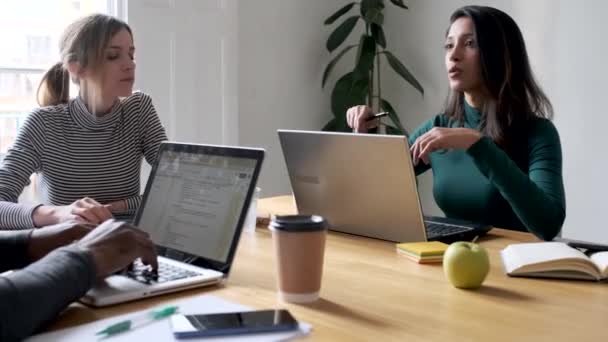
x: 87, y: 150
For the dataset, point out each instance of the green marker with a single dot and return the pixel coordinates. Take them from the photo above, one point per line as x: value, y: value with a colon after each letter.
x: 134, y: 323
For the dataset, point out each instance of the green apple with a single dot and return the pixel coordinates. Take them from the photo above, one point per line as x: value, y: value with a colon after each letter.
x: 466, y: 264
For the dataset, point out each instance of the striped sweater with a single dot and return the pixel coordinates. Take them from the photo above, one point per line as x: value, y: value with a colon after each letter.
x: 77, y: 154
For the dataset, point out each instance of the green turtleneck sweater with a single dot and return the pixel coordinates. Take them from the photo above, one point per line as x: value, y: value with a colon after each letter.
x: 523, y: 191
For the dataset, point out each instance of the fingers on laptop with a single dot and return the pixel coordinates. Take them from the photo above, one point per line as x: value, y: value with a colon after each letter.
x: 140, y: 246
x: 114, y: 245
x: 147, y: 249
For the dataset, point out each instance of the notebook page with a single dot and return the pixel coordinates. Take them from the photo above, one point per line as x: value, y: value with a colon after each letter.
x: 601, y: 261
x: 522, y: 254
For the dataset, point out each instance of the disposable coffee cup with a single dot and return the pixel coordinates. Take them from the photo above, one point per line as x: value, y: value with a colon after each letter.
x: 299, y: 244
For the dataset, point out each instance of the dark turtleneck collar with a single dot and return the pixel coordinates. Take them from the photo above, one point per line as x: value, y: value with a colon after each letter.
x: 472, y: 115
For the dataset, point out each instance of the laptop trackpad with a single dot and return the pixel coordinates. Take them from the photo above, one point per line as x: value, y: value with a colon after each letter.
x: 117, y: 283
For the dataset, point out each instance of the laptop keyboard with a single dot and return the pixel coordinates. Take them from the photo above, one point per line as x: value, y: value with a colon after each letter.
x: 166, y: 272
x: 435, y: 230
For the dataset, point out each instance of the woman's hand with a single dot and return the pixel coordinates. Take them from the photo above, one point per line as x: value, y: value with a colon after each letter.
x: 358, y: 118
x: 440, y: 138
x: 86, y: 210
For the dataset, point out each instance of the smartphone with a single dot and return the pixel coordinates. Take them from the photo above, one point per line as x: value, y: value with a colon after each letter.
x: 232, y: 323
x: 589, y: 246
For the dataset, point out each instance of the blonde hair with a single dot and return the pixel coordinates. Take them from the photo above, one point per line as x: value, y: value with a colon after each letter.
x: 83, y: 42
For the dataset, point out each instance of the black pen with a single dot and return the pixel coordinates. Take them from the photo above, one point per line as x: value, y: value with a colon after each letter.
x: 377, y: 116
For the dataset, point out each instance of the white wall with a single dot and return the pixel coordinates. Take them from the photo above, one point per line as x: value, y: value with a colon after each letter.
x: 565, y: 45
x: 272, y: 51
x: 187, y: 55
x: 281, y: 59
x: 281, y: 55
x: 186, y: 60
x: 579, y: 95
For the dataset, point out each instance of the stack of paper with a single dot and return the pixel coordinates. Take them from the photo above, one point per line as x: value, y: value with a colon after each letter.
x: 423, y: 252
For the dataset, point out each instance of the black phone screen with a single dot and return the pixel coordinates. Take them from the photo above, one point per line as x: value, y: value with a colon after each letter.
x: 232, y: 323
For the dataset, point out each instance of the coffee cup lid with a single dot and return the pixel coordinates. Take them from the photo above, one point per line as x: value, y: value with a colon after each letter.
x: 298, y: 223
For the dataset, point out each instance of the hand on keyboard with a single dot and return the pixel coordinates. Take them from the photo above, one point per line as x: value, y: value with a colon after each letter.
x: 114, y: 245
x: 166, y: 272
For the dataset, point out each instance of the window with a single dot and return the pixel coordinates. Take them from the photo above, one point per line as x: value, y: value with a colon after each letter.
x: 38, y: 49
x: 29, y: 36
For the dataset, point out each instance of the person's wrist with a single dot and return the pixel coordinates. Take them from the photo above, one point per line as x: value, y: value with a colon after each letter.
x: 94, y: 256
x: 118, y: 206
x: 45, y: 215
x: 98, y: 257
x: 31, y: 248
x: 475, y: 137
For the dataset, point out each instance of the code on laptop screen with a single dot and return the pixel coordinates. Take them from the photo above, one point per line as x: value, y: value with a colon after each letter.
x: 195, y: 201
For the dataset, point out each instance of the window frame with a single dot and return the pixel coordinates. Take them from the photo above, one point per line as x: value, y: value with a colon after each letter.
x: 117, y: 8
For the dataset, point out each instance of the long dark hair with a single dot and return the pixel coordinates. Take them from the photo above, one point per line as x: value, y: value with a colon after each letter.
x: 514, y: 95
x: 84, y: 41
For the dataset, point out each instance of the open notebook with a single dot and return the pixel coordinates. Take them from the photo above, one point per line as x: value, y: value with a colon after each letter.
x: 553, y: 260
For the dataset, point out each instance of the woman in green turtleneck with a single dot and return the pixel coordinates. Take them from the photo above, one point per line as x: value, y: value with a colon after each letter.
x: 496, y: 157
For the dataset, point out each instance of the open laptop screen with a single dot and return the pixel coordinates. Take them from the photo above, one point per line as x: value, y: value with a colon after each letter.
x: 194, y: 202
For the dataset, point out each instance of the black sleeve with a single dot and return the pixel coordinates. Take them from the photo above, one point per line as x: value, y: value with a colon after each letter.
x: 33, y: 296
x: 13, y: 249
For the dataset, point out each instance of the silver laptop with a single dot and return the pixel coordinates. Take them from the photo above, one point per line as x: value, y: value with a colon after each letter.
x: 364, y: 184
x: 194, y: 206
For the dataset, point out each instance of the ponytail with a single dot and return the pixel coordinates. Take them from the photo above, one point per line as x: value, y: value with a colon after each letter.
x: 83, y: 42
x: 54, y: 87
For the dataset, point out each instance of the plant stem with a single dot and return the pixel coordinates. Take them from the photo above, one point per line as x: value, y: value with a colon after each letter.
x: 379, y: 86
x: 370, y: 91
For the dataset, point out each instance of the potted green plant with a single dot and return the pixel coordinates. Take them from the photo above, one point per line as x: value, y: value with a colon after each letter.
x: 363, y: 85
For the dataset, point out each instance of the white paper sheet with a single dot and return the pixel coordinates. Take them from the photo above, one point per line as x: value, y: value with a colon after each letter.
x: 161, y: 331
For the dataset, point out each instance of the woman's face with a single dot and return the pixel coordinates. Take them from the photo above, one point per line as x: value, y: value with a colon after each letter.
x: 116, y: 75
x: 118, y: 69
x: 462, y: 60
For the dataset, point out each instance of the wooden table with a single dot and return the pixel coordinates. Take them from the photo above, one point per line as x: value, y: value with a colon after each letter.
x: 370, y: 292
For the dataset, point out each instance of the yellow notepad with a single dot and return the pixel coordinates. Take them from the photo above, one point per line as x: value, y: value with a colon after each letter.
x: 423, y: 249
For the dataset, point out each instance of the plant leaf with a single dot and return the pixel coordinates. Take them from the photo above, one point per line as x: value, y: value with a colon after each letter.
x: 399, y: 3
x: 378, y: 34
x: 341, y: 33
x: 374, y: 16
x: 350, y: 90
x: 387, y: 107
x: 365, y: 55
x: 330, y: 66
x: 338, y: 14
x: 366, y: 5
x: 403, y: 72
